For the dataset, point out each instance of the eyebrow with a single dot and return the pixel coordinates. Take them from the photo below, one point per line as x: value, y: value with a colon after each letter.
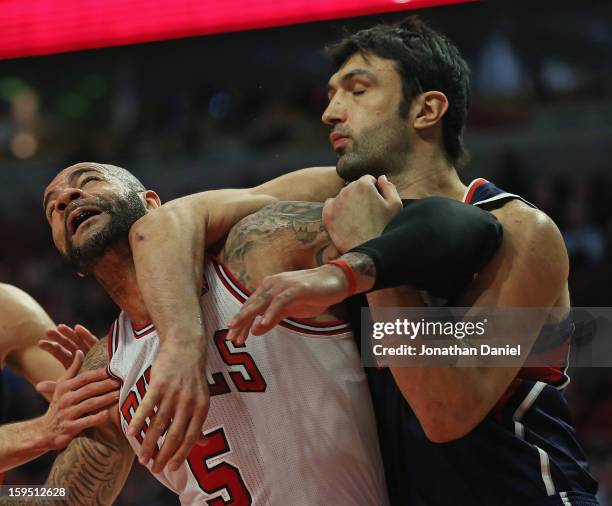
x: 353, y: 73
x: 71, y: 180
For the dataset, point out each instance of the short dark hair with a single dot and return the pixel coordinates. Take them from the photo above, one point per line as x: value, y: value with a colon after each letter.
x: 426, y: 60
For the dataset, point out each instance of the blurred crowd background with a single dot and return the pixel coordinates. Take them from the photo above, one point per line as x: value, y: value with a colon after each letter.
x: 237, y: 109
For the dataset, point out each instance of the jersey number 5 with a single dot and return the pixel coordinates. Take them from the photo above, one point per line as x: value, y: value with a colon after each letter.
x: 219, y: 477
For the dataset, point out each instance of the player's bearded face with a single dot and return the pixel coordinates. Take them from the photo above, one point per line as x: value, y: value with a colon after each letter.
x: 119, y: 215
x: 369, y: 119
x: 377, y: 149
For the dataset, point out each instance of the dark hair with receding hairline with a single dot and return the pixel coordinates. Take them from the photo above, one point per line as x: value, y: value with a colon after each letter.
x: 426, y: 61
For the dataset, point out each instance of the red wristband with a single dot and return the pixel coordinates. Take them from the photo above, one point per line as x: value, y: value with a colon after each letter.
x: 348, y: 272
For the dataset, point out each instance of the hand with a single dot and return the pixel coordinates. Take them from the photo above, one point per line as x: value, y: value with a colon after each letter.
x: 78, y: 402
x: 177, y: 399
x: 64, y: 341
x: 361, y: 211
x: 304, y: 294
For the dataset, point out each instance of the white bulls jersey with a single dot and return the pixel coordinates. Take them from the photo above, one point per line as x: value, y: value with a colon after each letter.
x: 290, y: 420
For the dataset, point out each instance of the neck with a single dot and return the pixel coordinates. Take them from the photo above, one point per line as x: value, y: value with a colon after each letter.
x: 427, y: 174
x: 117, y: 275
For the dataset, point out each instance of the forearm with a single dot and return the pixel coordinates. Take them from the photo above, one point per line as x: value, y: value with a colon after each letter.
x: 434, y: 244
x: 168, y: 247
x: 93, y: 471
x: 457, y: 399
x: 22, y: 442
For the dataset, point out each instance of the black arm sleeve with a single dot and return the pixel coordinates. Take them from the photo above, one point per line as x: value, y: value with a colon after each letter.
x: 435, y: 244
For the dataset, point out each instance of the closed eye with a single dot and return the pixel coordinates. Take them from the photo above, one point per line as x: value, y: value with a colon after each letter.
x: 89, y: 180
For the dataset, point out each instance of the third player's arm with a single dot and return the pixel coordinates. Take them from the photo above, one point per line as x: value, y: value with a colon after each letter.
x: 95, y: 465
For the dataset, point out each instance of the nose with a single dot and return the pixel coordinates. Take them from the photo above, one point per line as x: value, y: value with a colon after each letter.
x: 65, y: 197
x: 335, y: 112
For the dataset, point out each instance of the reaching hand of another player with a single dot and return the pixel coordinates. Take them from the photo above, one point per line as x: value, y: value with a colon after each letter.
x: 64, y: 341
x: 302, y: 294
x: 361, y: 211
x: 177, y: 400
x: 79, y: 401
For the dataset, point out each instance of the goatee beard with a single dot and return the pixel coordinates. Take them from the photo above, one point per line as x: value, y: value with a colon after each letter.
x: 122, y: 215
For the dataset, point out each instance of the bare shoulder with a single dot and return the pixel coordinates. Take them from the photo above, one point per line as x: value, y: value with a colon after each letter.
x: 531, y: 267
x: 533, y: 233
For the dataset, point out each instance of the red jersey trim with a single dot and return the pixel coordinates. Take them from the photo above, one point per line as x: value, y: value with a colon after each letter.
x: 296, y: 324
x: 471, y: 189
x: 109, y: 342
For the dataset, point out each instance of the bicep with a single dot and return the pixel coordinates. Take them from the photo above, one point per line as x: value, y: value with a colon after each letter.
x: 315, y: 184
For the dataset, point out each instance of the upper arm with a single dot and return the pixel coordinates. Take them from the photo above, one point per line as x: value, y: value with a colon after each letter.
x: 315, y: 184
x: 23, y: 324
x: 95, y: 465
x: 531, y: 267
x: 213, y: 213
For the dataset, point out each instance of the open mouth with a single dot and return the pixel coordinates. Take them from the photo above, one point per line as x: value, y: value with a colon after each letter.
x: 81, y: 218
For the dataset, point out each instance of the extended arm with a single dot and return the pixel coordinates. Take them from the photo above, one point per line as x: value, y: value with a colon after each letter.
x: 434, y: 243
x: 95, y: 464
x: 75, y: 405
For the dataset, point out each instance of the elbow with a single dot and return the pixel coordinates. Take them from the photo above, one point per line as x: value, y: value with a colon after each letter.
x: 444, y: 425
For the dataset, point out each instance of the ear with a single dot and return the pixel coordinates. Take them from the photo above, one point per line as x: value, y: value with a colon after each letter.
x: 428, y: 109
x: 152, y: 200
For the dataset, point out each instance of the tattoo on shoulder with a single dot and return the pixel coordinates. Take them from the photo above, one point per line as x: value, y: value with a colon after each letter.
x: 303, y: 219
x: 97, y: 356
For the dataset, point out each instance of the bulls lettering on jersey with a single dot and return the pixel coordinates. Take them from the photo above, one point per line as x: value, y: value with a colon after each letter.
x: 290, y: 420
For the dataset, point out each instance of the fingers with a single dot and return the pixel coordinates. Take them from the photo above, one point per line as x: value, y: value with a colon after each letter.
x: 192, y: 436
x: 159, y: 422
x: 93, y: 404
x: 275, y: 312
x: 46, y: 387
x: 145, y: 410
x: 174, y: 437
x: 73, y: 369
x: 84, y: 378
x: 86, y: 422
x: 93, y: 389
x: 388, y: 190
x: 241, y: 323
x: 58, y: 351
x: 63, y: 338
x: 70, y: 339
x: 86, y: 338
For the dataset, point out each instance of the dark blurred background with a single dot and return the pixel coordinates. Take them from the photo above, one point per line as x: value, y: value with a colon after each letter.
x: 237, y: 109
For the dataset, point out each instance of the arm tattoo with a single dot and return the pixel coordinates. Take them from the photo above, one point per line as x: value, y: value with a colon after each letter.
x: 301, y: 219
x: 95, y: 465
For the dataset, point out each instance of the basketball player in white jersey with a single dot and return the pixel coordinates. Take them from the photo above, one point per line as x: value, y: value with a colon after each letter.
x: 290, y: 420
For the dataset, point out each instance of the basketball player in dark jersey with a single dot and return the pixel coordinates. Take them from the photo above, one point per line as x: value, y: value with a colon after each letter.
x: 398, y: 103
